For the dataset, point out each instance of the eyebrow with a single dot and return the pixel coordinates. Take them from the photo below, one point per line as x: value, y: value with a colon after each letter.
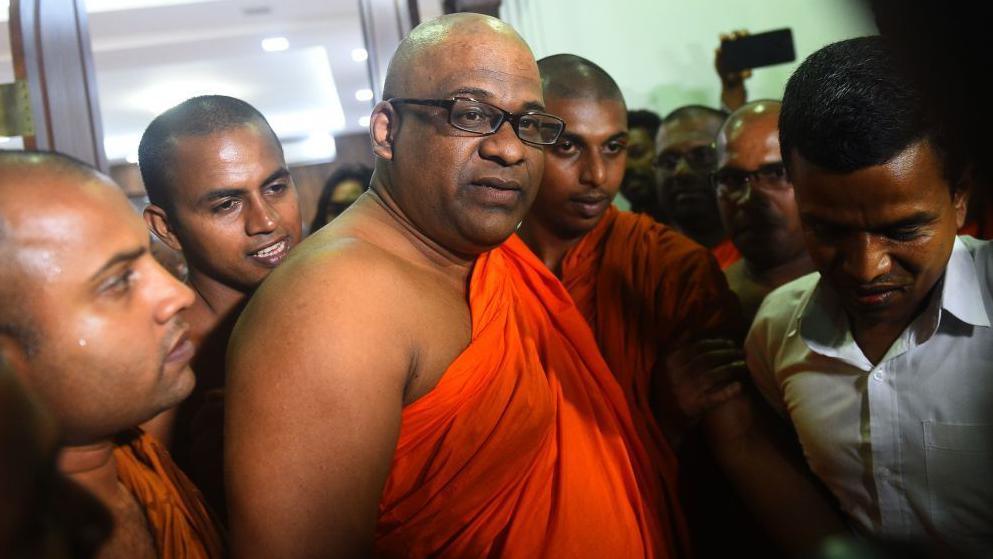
x: 282, y: 172
x: 922, y: 217
x: 119, y: 258
x: 484, y: 95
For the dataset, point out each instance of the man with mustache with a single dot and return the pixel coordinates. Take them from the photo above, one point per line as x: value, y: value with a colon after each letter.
x: 881, y: 361
x: 685, y: 157
x: 757, y: 206
x: 220, y: 193
x: 413, y: 382
x: 91, y: 324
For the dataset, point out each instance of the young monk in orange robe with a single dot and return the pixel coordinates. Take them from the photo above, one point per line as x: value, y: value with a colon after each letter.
x: 649, y: 294
x: 406, y: 384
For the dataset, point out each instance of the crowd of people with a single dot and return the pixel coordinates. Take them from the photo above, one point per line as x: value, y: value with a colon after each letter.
x: 782, y: 349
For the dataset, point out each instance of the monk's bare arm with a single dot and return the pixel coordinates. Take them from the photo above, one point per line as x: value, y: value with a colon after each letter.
x: 316, y: 373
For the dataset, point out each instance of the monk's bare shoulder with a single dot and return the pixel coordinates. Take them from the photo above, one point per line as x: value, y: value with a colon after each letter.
x: 340, y: 295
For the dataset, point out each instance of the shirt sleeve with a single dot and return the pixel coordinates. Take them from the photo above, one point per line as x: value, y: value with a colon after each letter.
x: 758, y: 358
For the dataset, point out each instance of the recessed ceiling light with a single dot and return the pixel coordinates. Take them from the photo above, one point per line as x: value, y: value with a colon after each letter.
x: 360, y: 55
x: 364, y: 120
x: 275, y: 44
x: 364, y: 95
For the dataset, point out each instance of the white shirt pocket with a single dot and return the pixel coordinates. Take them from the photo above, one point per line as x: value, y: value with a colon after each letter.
x: 960, y: 481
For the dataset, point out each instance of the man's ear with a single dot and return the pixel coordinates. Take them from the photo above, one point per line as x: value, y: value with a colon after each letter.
x: 14, y: 355
x: 157, y: 222
x: 961, y: 193
x: 382, y: 129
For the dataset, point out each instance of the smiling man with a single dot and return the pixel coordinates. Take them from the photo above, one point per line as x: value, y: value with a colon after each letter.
x: 882, y: 360
x: 91, y: 324
x: 221, y: 194
x: 413, y: 382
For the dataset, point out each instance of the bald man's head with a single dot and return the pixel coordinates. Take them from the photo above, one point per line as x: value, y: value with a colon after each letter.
x: 37, y: 176
x: 90, y: 319
x: 435, y: 159
x: 754, y: 113
x: 754, y: 193
x: 414, y: 66
x: 567, y: 76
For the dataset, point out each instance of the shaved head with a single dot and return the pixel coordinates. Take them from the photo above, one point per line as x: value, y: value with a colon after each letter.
x: 89, y: 319
x: 411, y: 69
x: 567, y: 76
x: 748, y: 115
x: 436, y: 173
x: 32, y: 178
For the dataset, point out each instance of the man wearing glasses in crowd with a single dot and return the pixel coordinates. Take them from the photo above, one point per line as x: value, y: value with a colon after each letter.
x: 685, y: 157
x: 446, y: 398
x: 756, y: 202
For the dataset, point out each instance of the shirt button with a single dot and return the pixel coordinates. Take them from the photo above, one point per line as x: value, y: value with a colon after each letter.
x: 878, y: 376
x: 883, y: 473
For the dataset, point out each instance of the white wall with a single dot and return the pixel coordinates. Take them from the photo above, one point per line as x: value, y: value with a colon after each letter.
x: 661, y: 52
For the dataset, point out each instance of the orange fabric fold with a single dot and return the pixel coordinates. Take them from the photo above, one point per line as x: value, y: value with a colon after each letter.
x: 644, y: 289
x: 526, y: 447
x: 180, y: 522
x: 726, y: 253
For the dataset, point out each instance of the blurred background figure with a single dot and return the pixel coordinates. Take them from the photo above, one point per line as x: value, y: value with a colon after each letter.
x: 638, y: 186
x: 342, y: 188
x: 757, y: 205
x: 685, y: 158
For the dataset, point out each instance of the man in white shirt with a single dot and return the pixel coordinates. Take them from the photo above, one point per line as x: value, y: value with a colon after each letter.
x: 883, y: 361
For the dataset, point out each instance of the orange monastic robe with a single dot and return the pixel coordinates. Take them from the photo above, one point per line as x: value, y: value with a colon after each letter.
x: 526, y: 447
x: 180, y: 522
x: 726, y: 253
x: 644, y: 288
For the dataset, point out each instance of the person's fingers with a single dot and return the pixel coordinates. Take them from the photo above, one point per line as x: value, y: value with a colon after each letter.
x: 746, y: 74
x: 725, y: 37
x: 714, y: 379
x: 716, y: 358
x: 718, y: 397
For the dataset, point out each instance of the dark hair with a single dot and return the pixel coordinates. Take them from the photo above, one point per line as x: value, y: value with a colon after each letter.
x: 851, y: 105
x: 199, y: 116
x: 361, y: 173
x: 569, y: 76
x: 646, y: 120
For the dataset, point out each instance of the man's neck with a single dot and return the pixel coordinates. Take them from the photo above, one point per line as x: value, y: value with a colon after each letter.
x: 549, y: 245
x: 216, y: 298
x: 383, y: 209
x: 91, y: 466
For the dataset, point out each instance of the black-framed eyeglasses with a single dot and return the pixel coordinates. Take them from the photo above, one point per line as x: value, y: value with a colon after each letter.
x: 482, y: 118
x: 735, y: 183
x: 700, y: 158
